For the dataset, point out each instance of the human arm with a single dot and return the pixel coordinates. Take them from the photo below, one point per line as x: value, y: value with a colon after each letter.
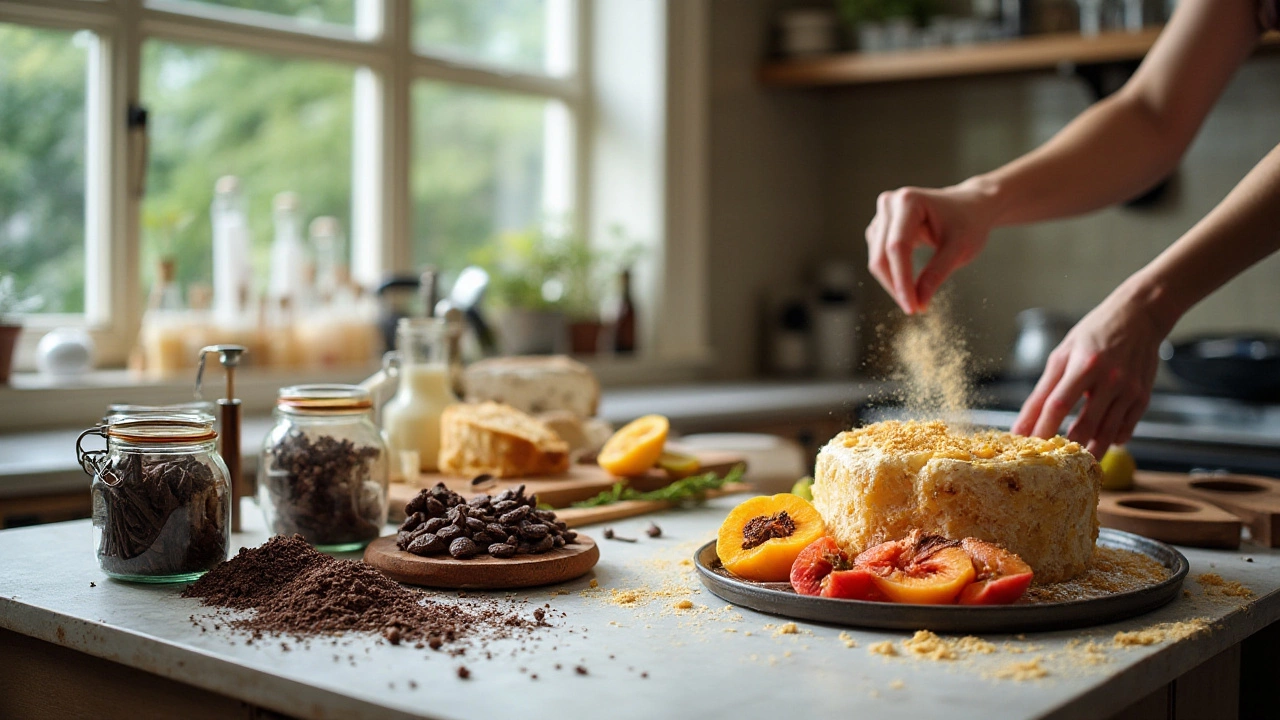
x: 1114, y: 150
x: 1110, y: 357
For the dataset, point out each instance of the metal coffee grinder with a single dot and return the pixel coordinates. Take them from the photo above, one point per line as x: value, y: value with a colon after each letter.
x: 230, y: 416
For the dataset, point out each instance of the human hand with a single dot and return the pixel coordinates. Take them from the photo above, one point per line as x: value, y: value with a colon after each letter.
x: 953, y: 221
x: 1110, y: 358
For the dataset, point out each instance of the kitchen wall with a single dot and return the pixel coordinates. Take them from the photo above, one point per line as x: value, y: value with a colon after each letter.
x: 940, y: 132
x: 768, y: 179
x: 795, y: 173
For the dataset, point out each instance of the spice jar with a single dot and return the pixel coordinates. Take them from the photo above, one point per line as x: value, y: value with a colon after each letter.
x: 161, y: 497
x: 323, y: 470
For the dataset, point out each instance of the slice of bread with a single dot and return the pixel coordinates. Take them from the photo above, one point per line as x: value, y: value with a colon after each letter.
x: 477, y: 438
x: 534, y: 384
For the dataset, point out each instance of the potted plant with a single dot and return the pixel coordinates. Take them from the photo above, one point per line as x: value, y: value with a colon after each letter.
x: 12, y: 304
x: 526, y: 286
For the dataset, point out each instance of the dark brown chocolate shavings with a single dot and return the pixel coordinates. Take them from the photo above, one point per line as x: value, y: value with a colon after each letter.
x: 760, y: 530
x: 300, y: 592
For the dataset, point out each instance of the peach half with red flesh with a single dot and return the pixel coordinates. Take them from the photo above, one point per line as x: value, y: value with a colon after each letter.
x: 1000, y: 577
x: 822, y: 568
x: 918, y: 569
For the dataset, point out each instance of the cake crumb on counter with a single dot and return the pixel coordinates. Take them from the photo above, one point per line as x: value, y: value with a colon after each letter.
x: 1164, y: 632
x: 1214, y: 584
x: 897, y: 685
x: 1022, y: 671
x: 848, y: 640
x: 884, y: 647
x: 928, y: 646
x: 787, y: 629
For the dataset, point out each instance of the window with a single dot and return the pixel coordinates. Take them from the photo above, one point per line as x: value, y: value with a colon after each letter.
x: 426, y: 138
x: 42, y: 163
x: 484, y: 163
x: 276, y: 125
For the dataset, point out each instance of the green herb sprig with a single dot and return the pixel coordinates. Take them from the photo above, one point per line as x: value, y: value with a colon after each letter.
x: 691, y: 489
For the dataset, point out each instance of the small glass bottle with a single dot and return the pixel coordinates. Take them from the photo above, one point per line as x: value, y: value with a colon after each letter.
x: 412, y: 417
x: 161, y: 497
x: 323, y: 470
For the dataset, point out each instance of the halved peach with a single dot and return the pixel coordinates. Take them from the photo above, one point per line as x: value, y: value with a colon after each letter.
x: 762, y: 537
x: 815, y: 563
x: 1000, y: 577
x: 919, y: 569
x: 852, y: 584
x: 996, y: 591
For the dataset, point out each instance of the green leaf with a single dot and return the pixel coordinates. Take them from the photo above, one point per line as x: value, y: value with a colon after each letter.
x: 692, y: 489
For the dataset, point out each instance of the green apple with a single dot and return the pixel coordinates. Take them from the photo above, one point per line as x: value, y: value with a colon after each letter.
x: 803, y: 488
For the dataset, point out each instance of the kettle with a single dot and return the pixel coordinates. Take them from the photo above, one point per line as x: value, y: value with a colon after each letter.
x: 1039, y: 331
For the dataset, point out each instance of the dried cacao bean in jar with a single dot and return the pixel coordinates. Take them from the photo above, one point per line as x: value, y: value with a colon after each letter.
x: 323, y: 470
x: 161, y: 497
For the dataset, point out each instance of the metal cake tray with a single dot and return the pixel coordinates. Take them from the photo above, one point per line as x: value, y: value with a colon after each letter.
x: 779, y: 599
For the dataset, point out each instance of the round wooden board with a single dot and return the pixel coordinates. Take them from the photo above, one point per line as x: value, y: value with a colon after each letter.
x: 483, y: 572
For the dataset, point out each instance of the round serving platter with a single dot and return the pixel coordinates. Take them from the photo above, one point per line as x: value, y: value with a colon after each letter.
x: 780, y: 599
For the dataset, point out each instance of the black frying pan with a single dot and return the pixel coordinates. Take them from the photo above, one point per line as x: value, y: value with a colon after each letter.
x: 1244, y: 366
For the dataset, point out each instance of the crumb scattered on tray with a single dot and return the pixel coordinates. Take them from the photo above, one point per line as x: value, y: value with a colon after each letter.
x: 848, y: 640
x: 884, y: 647
x: 1110, y: 571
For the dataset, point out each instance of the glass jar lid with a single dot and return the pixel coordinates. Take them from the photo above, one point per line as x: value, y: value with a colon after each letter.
x: 324, y: 399
x: 148, y: 429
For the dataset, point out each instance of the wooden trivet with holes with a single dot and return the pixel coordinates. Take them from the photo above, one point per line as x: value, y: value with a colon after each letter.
x: 1255, y: 499
x: 483, y: 572
x: 1168, y: 518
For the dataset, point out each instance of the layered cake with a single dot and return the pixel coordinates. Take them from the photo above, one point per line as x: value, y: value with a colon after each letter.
x: 1038, y: 498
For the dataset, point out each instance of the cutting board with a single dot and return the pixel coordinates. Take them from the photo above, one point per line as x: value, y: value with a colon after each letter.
x: 1172, y: 519
x: 483, y: 572
x: 577, y: 517
x: 1256, y: 500
x: 582, y: 481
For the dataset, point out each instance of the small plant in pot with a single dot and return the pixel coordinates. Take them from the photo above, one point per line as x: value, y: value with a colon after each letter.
x: 527, y: 288
x: 12, y: 305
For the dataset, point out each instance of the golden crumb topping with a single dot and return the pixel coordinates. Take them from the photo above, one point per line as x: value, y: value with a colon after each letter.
x: 937, y: 440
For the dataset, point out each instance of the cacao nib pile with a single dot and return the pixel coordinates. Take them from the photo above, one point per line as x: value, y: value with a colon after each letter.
x: 440, y: 520
x: 298, y: 591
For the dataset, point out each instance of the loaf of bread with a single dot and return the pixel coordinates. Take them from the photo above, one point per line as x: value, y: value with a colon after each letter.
x: 1038, y: 498
x: 477, y: 438
x: 534, y: 384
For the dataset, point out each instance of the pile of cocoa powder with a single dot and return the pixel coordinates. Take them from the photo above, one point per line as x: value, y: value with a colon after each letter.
x: 300, y: 592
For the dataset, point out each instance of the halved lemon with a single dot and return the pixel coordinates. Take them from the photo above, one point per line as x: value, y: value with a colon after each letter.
x: 636, y: 447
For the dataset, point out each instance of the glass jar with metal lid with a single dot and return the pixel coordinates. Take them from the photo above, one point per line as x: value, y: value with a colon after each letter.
x: 323, y: 469
x: 161, y: 497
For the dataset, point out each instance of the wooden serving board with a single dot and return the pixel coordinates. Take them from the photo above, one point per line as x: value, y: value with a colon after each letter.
x: 577, y: 517
x: 582, y: 481
x: 1256, y: 500
x: 483, y: 572
x: 1169, y: 518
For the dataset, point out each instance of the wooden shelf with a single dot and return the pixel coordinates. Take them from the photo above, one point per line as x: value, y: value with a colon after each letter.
x: 1044, y: 52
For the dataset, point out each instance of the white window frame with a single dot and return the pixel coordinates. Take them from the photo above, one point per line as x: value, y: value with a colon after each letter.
x: 672, y: 288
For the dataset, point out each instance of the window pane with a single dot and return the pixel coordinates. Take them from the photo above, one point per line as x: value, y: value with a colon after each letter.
x: 530, y: 35
x: 484, y: 162
x: 276, y: 124
x: 42, y: 163
x: 337, y: 12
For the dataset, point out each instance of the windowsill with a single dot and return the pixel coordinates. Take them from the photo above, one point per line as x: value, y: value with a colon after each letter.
x: 51, y: 403
x: 36, y: 462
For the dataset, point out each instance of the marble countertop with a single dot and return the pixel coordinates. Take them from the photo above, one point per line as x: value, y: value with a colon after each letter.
x: 710, y: 660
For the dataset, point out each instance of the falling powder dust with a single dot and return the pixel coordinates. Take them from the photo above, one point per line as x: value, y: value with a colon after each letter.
x: 933, y: 365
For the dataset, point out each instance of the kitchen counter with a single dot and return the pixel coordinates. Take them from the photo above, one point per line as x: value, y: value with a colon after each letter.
x: 708, y: 661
